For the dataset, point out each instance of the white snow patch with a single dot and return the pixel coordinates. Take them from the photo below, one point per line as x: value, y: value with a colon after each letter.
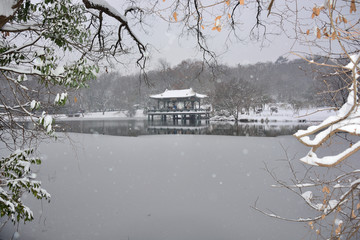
x: 308, y: 195
x: 105, y: 4
x: 32, y: 104
x: 354, y: 59
x: 338, y: 222
x: 6, y: 7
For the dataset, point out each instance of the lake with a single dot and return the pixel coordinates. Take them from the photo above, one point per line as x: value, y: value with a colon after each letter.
x: 162, y: 187
x: 144, y: 127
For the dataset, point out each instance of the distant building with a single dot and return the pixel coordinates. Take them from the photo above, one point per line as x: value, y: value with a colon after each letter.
x: 184, y: 104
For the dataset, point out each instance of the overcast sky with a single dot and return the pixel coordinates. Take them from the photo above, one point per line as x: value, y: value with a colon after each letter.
x: 165, y: 43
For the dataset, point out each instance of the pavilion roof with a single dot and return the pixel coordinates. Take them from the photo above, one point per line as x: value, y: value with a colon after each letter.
x: 184, y: 93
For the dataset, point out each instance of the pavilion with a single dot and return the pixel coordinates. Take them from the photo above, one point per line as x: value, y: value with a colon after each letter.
x: 179, y: 104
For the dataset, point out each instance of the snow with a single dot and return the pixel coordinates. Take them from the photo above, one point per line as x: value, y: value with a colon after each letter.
x: 38, y: 62
x: 7, y: 203
x: 105, y: 4
x: 301, y: 185
x: 25, y: 165
x: 33, y: 104
x: 57, y: 98
x: 19, y: 27
x: 357, y: 181
x: 110, y: 115
x: 217, y: 22
x: 355, y: 58
x: 6, y: 7
x: 332, y: 204
x: 58, y: 71
x: 338, y: 222
x: 308, y: 195
x: 63, y: 96
x: 40, y: 52
x: 346, y: 119
x: 47, y: 120
x: 343, y: 112
x: 284, y: 114
x: 312, y: 159
x: 184, y: 93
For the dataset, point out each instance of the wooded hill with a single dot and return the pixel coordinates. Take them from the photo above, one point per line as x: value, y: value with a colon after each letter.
x: 295, y: 82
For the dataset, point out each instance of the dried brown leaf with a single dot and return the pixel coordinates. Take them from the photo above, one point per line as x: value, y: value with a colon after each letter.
x: 318, y: 34
x: 353, y: 214
x: 333, y: 36
x: 352, y: 6
x: 325, y: 188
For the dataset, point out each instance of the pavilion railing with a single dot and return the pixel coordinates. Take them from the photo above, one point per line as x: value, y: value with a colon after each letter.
x: 206, y: 110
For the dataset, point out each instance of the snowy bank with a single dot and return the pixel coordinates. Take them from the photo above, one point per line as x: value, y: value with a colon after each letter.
x: 282, y: 115
x: 113, y: 115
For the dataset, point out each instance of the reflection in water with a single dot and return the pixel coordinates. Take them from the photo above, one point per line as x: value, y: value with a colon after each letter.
x: 175, y: 127
x: 143, y: 127
x: 104, y: 127
x: 261, y: 130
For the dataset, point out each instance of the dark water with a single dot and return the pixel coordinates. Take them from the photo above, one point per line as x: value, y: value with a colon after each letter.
x: 143, y: 127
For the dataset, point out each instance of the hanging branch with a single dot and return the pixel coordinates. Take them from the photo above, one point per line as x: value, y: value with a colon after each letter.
x: 104, y: 7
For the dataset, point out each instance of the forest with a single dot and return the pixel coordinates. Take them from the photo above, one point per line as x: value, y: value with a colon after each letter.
x: 295, y: 82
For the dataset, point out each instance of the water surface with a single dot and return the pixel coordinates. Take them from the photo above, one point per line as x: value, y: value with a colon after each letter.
x: 144, y: 127
x: 173, y: 187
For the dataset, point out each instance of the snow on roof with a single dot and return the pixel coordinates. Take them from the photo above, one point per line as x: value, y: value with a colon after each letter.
x: 184, y: 93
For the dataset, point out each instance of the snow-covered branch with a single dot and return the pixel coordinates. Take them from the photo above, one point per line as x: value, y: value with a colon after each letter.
x: 17, y: 178
x: 104, y: 8
x: 347, y: 120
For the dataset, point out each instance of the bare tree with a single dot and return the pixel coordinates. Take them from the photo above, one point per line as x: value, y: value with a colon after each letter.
x: 236, y: 96
x: 333, y: 30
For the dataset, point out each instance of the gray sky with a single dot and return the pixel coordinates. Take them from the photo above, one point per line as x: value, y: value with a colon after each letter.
x: 174, y: 50
x: 165, y: 43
